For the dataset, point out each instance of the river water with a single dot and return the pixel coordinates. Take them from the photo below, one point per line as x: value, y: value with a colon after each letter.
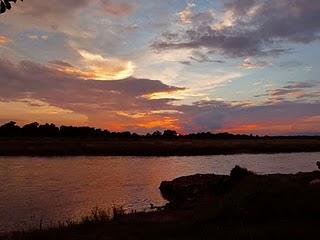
x: 60, y: 188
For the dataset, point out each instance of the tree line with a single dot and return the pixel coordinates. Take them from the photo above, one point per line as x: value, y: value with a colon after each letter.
x: 11, y: 129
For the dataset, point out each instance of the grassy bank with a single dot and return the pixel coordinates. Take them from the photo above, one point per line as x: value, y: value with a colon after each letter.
x: 240, y: 206
x: 151, y: 147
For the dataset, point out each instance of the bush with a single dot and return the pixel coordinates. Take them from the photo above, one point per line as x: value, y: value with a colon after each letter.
x: 238, y: 172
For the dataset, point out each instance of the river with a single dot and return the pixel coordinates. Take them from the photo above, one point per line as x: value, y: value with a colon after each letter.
x: 60, y: 188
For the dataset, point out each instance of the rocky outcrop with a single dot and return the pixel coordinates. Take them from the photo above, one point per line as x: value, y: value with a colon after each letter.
x: 185, y: 191
x: 190, y: 188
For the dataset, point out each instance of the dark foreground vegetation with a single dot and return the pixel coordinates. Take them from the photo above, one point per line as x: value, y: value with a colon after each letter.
x: 240, y: 206
x: 50, y: 140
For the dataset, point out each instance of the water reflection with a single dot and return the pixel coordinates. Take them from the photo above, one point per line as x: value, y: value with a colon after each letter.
x: 57, y: 189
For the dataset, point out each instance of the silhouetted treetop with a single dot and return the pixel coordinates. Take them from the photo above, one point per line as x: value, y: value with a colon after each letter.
x: 6, y: 5
x: 11, y: 129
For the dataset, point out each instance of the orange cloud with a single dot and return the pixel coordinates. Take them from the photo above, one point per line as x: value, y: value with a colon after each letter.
x: 103, y: 68
x: 259, y: 128
x: 3, y: 40
x: 168, y: 122
x: 246, y: 128
x: 118, y: 9
x: 26, y: 110
x: 145, y: 122
x: 310, y: 123
x: 170, y: 94
x: 303, y: 125
x: 97, y: 67
x: 123, y: 105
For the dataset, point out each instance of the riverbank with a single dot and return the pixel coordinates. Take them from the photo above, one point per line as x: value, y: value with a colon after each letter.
x: 242, y: 205
x: 151, y: 147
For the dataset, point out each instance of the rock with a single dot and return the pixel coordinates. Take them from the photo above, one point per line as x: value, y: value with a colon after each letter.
x: 188, y: 188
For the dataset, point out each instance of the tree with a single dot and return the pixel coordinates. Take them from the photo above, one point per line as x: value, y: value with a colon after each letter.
x: 9, y: 129
x: 170, y: 134
x: 156, y: 134
x: 48, y: 130
x: 6, y: 5
x: 30, y: 129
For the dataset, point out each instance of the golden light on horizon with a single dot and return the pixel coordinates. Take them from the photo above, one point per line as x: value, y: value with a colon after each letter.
x: 40, y: 111
x: 168, y: 122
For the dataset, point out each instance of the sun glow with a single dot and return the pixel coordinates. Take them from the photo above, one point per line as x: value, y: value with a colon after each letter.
x: 168, y: 122
x: 102, y: 68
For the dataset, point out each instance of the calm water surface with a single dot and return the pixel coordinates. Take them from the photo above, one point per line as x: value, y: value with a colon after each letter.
x: 56, y: 189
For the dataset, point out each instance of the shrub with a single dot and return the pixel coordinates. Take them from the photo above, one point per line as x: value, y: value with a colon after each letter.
x: 238, y: 172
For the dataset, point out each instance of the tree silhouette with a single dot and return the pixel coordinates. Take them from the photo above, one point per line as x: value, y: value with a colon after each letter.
x: 169, y: 134
x: 9, y: 129
x: 34, y: 129
x: 6, y: 5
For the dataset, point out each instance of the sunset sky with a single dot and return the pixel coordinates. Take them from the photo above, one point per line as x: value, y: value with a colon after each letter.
x: 243, y: 66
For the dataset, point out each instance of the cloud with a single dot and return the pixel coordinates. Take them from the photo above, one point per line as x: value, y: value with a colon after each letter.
x: 249, y: 28
x: 3, y: 40
x: 279, y: 118
x: 56, y: 8
x: 50, y: 9
x: 128, y: 104
x: 38, y: 37
x: 302, y: 85
x: 98, y: 100
x: 186, y: 14
x: 26, y: 110
x: 96, y: 67
x: 202, y: 57
x: 118, y: 8
x: 102, y: 68
x: 248, y: 63
x: 71, y: 17
x: 309, y: 90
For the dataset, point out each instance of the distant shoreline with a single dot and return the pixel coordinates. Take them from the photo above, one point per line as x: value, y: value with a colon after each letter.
x: 152, y: 147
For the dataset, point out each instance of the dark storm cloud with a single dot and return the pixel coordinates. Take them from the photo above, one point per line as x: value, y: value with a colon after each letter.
x: 259, y: 27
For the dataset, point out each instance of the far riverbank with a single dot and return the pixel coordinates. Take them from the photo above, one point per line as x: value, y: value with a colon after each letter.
x: 152, y: 147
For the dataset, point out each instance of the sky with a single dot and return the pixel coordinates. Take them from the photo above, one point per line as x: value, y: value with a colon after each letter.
x: 242, y: 66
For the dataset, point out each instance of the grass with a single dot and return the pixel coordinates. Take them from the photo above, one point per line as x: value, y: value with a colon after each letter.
x: 99, y: 215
